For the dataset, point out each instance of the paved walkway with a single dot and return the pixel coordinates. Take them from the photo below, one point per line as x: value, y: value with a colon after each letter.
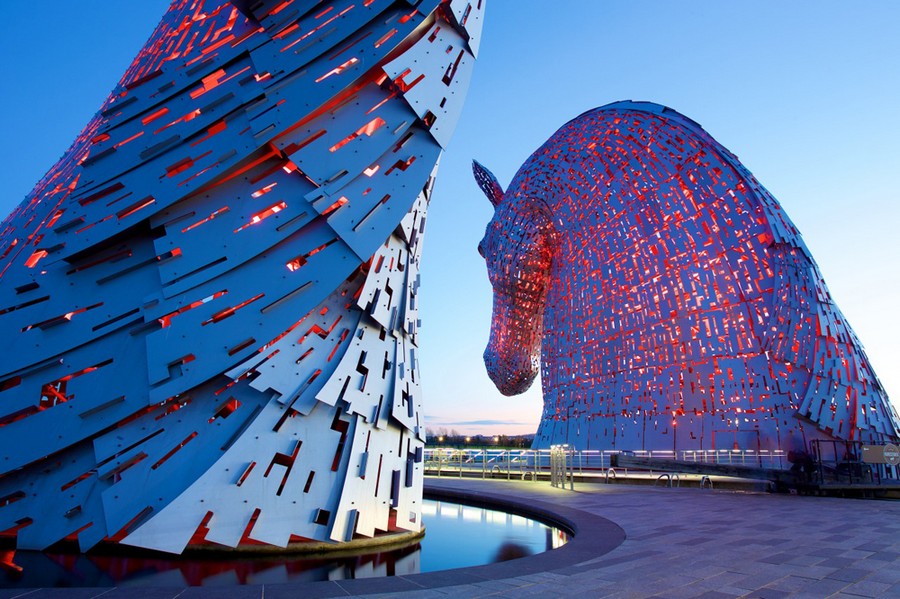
x: 713, y: 544
x: 678, y: 543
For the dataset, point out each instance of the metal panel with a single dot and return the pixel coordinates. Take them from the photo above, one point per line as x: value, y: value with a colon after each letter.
x: 188, y: 295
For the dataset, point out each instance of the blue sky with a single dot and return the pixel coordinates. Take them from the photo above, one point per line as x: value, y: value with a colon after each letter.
x: 806, y: 93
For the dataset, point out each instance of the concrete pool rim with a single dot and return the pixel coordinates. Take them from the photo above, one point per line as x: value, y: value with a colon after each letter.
x: 591, y: 536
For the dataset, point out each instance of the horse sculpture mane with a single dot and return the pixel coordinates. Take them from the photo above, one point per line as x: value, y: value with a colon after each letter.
x: 669, y: 299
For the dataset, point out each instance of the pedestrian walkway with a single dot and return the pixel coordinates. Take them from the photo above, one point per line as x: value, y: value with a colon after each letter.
x: 639, y: 541
x: 684, y: 543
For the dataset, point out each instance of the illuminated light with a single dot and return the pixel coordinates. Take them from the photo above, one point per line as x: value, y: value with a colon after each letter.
x: 401, y: 165
x: 262, y: 215
x: 35, y: 258
x: 299, y: 261
x: 371, y: 171
x: 221, y: 210
x: 154, y: 115
x: 385, y: 38
x: 338, y: 70
x: 405, y: 18
x: 166, y: 320
x: 317, y: 28
x: 368, y: 129
x: 184, y: 119
x: 263, y: 190
x: 337, y: 204
x: 208, y: 83
x: 227, y: 312
x: 215, y: 129
x: 403, y: 85
x: 100, y: 138
x: 126, y: 212
x: 280, y: 7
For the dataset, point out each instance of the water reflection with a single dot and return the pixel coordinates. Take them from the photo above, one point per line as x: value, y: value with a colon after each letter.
x: 457, y: 536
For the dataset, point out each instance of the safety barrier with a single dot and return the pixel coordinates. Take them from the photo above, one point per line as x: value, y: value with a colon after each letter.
x: 531, y: 464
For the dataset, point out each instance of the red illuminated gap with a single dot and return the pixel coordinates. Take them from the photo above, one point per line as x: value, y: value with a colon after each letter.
x: 222, y: 210
x: 337, y: 345
x: 245, y: 474
x: 338, y: 70
x: 383, y: 102
x: 172, y: 451
x: 223, y: 314
x: 371, y: 171
x: 53, y: 394
x: 262, y: 215
x: 101, y: 194
x: 385, y: 38
x: 54, y: 218
x: 401, y: 164
x: 175, y: 405
x: 226, y: 409
x: 181, y: 165
x: 434, y: 34
x: 10, y: 383
x: 292, y: 148
x: 263, y: 190
x: 166, y: 320
x: 451, y: 69
x: 280, y: 7
x: 100, y: 138
x: 212, y: 48
x: 245, y: 538
x: 318, y: 28
x: 132, y: 138
x: 44, y: 324
x: 35, y: 258
x: 11, y: 498
x: 407, y: 17
x: 214, y: 129
x: 75, y: 480
x: 140, y: 204
x: 301, y: 260
x: 368, y: 129
x: 242, y: 345
x: 183, y: 119
x: 155, y: 115
x: 403, y: 85
x: 337, y: 204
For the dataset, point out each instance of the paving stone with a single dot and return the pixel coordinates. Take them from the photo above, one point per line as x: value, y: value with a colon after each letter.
x: 849, y: 574
x: 868, y: 588
x: 885, y: 556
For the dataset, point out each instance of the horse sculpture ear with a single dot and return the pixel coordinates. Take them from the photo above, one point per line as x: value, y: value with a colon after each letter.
x: 488, y: 183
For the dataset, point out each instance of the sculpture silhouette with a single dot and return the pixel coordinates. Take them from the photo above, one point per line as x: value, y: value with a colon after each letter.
x: 672, y: 302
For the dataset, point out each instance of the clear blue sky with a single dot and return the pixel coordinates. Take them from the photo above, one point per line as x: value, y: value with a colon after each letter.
x: 806, y: 93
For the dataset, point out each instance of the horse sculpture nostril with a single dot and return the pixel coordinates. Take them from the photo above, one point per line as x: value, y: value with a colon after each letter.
x: 511, y: 375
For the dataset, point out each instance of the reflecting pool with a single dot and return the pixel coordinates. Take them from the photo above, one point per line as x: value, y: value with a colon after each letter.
x: 456, y: 536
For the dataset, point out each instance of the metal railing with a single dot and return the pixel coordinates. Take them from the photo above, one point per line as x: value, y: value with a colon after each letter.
x: 530, y: 464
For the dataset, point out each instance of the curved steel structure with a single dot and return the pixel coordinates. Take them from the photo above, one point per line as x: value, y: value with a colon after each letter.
x: 209, y: 303
x: 672, y: 302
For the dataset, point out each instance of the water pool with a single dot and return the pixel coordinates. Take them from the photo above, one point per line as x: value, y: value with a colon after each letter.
x: 456, y: 536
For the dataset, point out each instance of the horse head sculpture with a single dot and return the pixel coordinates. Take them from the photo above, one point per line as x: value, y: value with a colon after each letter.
x: 672, y: 302
x: 519, y: 272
